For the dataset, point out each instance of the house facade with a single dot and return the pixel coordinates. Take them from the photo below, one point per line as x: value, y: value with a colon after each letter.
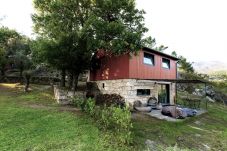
x: 137, y: 77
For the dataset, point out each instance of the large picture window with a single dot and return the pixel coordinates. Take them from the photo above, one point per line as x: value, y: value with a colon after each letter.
x: 148, y: 59
x: 165, y: 63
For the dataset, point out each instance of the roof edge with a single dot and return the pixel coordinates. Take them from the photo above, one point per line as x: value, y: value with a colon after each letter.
x: 160, y: 53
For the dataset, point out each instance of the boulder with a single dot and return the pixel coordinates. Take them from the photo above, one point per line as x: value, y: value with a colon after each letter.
x: 173, y: 111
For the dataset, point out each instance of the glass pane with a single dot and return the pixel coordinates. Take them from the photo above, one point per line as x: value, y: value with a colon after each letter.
x: 148, y: 61
x: 165, y: 65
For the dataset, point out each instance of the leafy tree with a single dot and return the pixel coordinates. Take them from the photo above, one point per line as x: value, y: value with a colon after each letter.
x: 151, y: 43
x: 79, y: 27
x: 62, y: 24
x: 3, y: 61
x: 7, y: 38
x: 174, y: 53
x: 183, y: 63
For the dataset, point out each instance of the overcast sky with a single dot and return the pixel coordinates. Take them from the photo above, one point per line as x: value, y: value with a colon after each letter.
x: 196, y: 29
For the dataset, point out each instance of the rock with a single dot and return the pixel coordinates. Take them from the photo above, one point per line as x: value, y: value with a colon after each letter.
x: 151, y: 145
x: 206, y: 147
x: 197, y: 122
x: 209, y: 99
x: 143, y: 109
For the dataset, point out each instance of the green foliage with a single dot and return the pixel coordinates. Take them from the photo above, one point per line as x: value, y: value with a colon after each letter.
x: 14, y: 50
x: 151, y: 43
x: 7, y: 38
x: 114, y: 119
x: 79, y: 102
x: 90, y: 106
x: 118, y: 120
x: 185, y: 65
x: 79, y: 27
x: 28, y: 118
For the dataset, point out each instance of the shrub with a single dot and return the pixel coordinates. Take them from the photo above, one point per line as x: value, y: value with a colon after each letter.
x: 78, y: 102
x: 110, y: 99
x: 90, y: 106
x: 110, y: 118
x: 118, y: 120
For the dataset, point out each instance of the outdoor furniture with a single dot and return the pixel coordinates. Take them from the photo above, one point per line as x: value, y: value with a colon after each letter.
x: 192, y: 102
x: 138, y: 106
x: 152, y: 102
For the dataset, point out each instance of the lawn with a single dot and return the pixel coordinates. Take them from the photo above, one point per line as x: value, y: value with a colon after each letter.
x: 33, y: 121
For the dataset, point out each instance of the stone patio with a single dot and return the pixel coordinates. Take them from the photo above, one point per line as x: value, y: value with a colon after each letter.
x: 157, y: 114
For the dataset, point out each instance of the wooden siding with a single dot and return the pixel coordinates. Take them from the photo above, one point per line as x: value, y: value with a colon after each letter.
x: 139, y: 70
x: 115, y: 67
x: 132, y: 67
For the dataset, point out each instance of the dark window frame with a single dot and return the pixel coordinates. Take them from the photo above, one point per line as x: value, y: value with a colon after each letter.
x: 149, y: 56
x: 143, y: 92
x: 165, y: 60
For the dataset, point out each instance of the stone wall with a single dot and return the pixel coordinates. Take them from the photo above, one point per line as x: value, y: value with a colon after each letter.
x: 127, y: 88
x: 64, y: 96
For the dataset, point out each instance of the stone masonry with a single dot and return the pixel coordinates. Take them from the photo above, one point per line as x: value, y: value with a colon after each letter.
x: 127, y: 88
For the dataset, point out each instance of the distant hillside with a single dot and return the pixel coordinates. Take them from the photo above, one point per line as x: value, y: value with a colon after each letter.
x: 210, y: 67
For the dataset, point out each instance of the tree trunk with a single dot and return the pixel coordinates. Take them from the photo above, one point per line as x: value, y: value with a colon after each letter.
x: 62, y: 84
x: 70, y: 79
x: 2, y: 72
x: 27, y: 83
x: 21, y: 68
x: 75, y: 81
x: 21, y: 75
x: 21, y: 72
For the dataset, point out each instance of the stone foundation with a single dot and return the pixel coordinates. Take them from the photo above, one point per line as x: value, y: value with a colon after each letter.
x: 127, y: 88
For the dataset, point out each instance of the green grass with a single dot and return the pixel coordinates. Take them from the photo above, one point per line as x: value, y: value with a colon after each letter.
x: 46, y: 128
x: 33, y: 121
x: 209, y: 129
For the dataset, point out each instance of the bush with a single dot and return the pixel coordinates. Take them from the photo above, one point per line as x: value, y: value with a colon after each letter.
x: 110, y: 99
x: 110, y: 118
x: 78, y: 102
x: 90, y: 106
x: 118, y: 120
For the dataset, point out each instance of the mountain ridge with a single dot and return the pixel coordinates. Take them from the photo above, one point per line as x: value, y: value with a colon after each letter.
x: 210, y: 67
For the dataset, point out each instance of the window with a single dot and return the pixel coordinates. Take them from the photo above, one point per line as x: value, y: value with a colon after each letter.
x: 166, y: 63
x: 148, y: 59
x: 143, y: 92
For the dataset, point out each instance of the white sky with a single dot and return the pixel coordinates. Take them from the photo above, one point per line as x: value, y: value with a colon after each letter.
x: 196, y: 29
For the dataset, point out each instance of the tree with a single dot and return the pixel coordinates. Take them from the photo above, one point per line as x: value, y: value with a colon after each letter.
x: 174, y: 53
x: 80, y: 27
x: 62, y: 24
x: 151, y: 43
x: 3, y: 61
x: 7, y: 38
x: 184, y: 64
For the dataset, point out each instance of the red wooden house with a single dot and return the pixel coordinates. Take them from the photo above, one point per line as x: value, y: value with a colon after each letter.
x: 137, y: 77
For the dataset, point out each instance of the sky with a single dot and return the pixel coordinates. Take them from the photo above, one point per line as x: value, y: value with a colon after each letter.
x: 196, y: 29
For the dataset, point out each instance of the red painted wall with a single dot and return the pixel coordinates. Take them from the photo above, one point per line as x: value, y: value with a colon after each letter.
x: 132, y: 67
x: 115, y: 67
x: 139, y: 70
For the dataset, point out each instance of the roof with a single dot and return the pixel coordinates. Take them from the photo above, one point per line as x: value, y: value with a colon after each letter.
x: 160, y: 53
x: 179, y: 80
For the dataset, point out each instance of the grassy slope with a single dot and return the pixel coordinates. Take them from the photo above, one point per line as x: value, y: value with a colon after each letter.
x: 209, y: 129
x: 24, y: 126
